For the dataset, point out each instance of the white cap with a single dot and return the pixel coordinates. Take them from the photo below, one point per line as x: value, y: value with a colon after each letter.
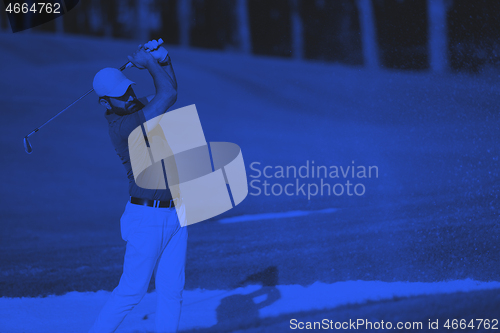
x: 111, y: 82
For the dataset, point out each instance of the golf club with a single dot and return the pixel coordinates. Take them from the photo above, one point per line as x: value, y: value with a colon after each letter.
x: 27, y: 145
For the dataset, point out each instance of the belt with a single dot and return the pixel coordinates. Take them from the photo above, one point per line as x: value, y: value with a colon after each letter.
x: 153, y: 203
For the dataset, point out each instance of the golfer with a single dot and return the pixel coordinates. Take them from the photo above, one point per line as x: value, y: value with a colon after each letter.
x: 156, y: 242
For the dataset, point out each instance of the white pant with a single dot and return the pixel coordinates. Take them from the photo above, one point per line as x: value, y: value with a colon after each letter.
x: 155, y: 243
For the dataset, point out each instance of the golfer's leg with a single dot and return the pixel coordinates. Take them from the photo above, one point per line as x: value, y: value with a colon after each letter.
x: 140, y: 258
x: 169, y: 279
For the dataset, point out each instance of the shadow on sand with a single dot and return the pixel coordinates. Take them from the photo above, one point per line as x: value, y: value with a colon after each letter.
x: 242, y: 310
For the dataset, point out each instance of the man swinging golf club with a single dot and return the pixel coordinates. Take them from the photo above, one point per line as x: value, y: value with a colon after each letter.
x: 156, y: 242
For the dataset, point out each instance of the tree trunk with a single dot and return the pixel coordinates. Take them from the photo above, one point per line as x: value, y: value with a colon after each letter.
x: 59, y: 25
x: 184, y: 17
x: 109, y: 9
x: 2, y: 19
x: 297, y: 31
x: 143, y: 17
x: 243, y: 26
x: 95, y: 16
x: 27, y: 22
x: 59, y: 22
x: 368, y: 33
x: 438, y: 35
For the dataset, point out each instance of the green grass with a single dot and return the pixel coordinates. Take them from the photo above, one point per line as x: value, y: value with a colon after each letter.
x: 431, y: 215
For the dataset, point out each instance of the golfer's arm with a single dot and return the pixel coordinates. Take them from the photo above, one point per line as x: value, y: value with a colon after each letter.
x: 169, y: 69
x: 166, y: 93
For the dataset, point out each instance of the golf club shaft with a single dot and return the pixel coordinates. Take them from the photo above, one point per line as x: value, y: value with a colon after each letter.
x: 128, y: 64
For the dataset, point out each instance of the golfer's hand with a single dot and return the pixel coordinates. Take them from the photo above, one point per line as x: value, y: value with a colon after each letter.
x: 158, y: 52
x: 141, y: 58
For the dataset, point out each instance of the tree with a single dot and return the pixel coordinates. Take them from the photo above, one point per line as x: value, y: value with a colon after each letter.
x: 109, y: 12
x: 95, y: 17
x: 143, y: 17
x: 184, y: 18
x: 27, y: 19
x: 368, y: 33
x: 243, y: 26
x: 438, y: 34
x: 59, y: 24
x: 297, y: 30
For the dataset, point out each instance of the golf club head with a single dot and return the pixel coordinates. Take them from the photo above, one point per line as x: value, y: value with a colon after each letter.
x: 27, y: 145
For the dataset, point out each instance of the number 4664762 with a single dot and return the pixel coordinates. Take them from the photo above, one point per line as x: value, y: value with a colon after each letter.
x: 40, y: 7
